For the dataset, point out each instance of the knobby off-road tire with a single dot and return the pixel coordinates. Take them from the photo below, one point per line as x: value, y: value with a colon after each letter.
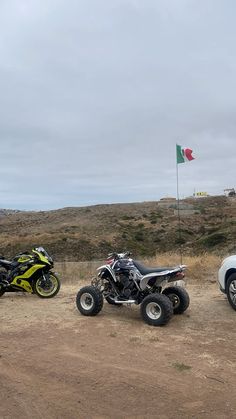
x: 156, y: 309
x: 179, y: 298
x: 51, y: 290
x: 231, y: 290
x: 89, y: 301
x: 2, y: 278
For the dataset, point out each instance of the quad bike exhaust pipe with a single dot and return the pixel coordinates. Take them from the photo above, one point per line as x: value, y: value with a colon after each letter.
x: 124, y: 302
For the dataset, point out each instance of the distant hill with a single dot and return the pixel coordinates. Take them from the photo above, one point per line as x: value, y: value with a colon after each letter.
x: 84, y: 233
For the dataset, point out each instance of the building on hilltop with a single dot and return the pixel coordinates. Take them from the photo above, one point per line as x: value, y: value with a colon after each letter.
x: 229, y: 192
x: 200, y: 194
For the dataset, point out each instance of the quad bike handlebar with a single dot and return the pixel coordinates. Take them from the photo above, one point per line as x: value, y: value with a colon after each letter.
x: 116, y: 255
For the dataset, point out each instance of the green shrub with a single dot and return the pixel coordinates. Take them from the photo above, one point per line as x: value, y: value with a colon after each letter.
x: 140, y: 225
x: 180, y: 240
x: 127, y: 217
x: 139, y: 236
x: 214, y: 239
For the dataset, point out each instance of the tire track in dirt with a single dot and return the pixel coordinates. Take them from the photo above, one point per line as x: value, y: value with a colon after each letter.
x: 21, y: 393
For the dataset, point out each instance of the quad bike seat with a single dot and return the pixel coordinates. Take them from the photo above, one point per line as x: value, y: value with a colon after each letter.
x: 144, y: 270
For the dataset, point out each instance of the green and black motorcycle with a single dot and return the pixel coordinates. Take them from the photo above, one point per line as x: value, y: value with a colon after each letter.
x: 29, y: 272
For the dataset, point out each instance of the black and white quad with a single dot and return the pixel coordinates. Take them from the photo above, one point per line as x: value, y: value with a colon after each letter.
x: 123, y: 280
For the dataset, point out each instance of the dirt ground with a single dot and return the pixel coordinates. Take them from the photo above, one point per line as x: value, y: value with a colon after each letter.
x: 55, y: 363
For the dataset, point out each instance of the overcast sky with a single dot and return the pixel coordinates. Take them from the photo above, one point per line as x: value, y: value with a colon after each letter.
x: 95, y: 94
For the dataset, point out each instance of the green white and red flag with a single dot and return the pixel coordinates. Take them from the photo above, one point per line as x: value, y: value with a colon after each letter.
x: 183, y: 154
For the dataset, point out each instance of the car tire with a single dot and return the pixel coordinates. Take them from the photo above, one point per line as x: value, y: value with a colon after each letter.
x: 231, y: 290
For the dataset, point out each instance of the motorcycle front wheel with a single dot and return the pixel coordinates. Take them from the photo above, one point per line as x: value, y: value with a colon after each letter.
x: 47, y: 288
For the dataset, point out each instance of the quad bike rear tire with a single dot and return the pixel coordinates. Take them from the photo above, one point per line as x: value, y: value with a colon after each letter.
x: 89, y: 301
x: 179, y: 298
x: 156, y: 309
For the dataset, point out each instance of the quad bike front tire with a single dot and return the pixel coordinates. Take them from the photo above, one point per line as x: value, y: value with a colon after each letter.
x: 89, y: 301
x: 48, y: 290
x: 231, y: 290
x: 156, y: 309
x: 179, y: 298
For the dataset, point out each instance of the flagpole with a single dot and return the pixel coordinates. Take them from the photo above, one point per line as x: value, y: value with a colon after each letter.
x: 178, y: 210
x: 182, y: 155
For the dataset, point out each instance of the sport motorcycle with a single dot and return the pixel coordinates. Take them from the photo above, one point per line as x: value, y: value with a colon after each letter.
x: 29, y: 272
x: 123, y: 280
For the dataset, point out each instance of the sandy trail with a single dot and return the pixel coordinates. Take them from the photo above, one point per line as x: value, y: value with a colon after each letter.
x: 55, y: 363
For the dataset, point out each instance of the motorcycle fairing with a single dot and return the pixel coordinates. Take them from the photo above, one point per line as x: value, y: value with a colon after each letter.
x: 42, y: 257
x: 25, y: 258
x: 21, y: 281
x: 22, y: 284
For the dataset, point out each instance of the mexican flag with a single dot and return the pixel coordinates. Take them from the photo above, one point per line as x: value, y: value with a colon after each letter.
x: 183, y: 154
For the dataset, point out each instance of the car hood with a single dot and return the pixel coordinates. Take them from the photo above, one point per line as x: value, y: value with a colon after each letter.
x: 230, y: 259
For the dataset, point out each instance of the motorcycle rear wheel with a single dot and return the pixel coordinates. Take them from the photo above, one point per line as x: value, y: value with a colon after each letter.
x: 48, y: 291
x: 1, y: 291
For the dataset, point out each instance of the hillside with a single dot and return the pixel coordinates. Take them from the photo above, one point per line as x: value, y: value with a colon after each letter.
x: 84, y: 233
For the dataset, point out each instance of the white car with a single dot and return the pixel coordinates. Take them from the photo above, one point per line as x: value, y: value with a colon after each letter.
x: 227, y: 279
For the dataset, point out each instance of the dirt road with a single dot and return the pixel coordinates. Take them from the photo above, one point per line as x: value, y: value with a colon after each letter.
x: 55, y: 363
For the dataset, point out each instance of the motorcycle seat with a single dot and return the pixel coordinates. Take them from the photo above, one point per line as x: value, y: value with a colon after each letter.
x: 7, y: 263
x: 144, y: 270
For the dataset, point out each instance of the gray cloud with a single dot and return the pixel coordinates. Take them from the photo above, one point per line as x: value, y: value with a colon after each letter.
x: 95, y: 95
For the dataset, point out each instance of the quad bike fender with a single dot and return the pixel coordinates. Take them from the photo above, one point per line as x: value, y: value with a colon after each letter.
x: 146, y: 278
x: 163, y: 276
x: 105, y: 270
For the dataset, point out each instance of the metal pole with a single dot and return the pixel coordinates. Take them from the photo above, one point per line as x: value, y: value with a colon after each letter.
x: 178, y: 212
